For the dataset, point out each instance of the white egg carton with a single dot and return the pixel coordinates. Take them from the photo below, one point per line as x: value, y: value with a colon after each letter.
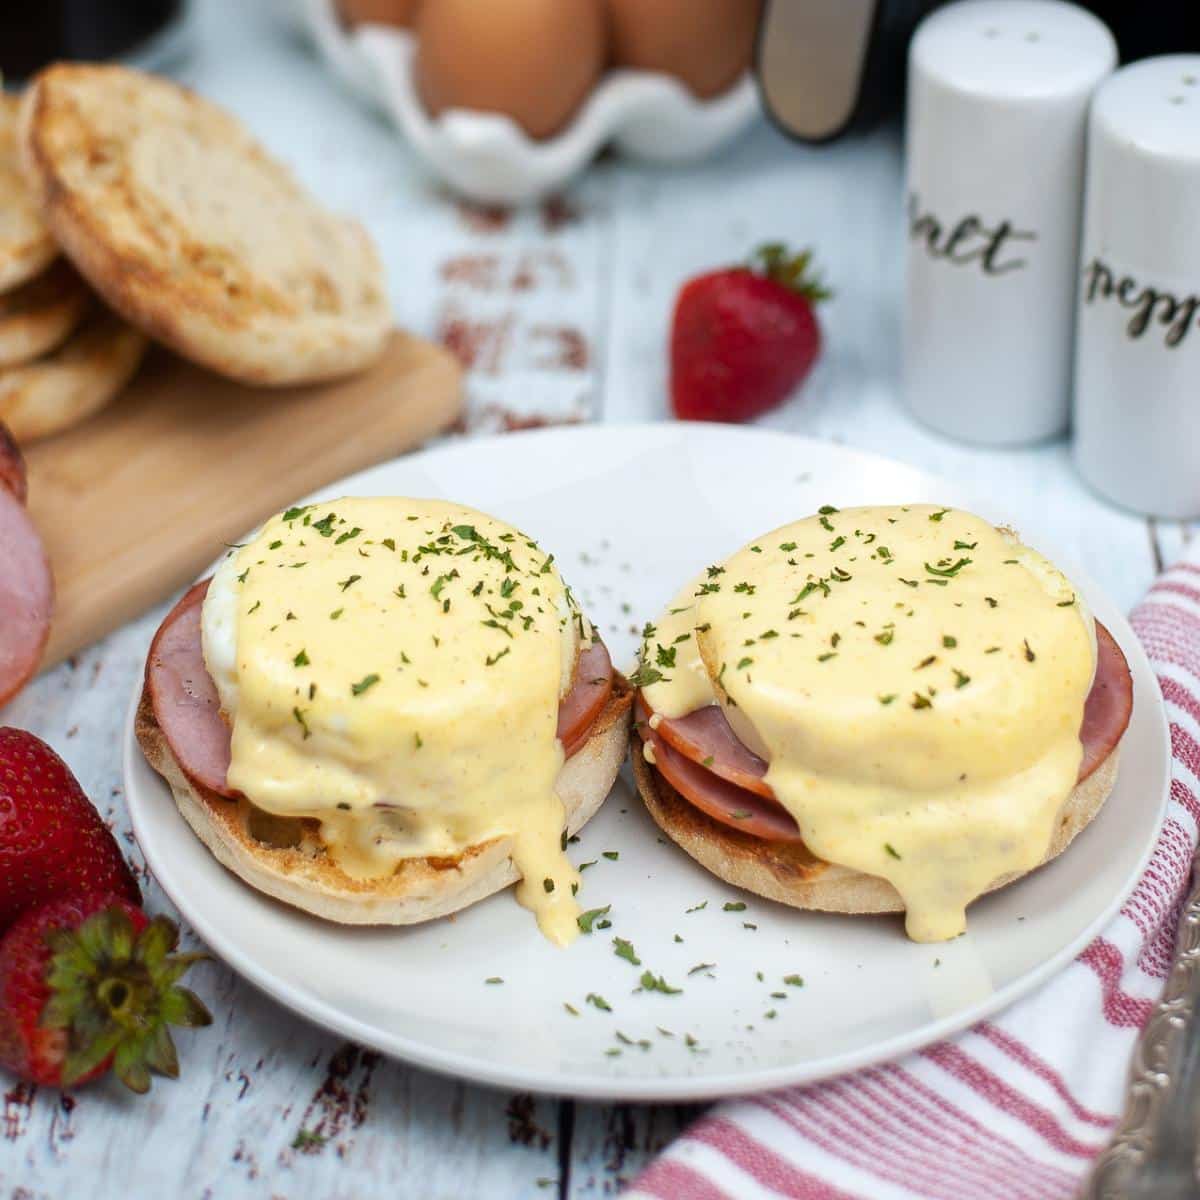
x: 489, y: 157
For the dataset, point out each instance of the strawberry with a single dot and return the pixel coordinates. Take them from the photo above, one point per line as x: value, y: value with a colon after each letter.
x: 743, y: 337
x: 52, y: 841
x: 89, y: 982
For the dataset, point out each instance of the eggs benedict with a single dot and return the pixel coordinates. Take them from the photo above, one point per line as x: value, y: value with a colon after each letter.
x: 877, y: 710
x: 381, y: 710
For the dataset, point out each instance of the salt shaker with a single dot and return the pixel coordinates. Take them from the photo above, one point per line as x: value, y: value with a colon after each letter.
x: 1137, y: 372
x: 996, y: 130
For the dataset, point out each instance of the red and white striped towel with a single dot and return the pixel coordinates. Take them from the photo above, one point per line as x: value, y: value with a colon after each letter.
x: 1017, y: 1107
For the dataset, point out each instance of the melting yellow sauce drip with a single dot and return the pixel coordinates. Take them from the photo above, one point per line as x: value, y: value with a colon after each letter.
x: 399, y: 665
x: 915, y: 679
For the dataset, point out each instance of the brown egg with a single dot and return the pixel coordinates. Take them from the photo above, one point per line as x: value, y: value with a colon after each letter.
x: 378, y: 12
x: 706, y: 44
x: 534, y: 60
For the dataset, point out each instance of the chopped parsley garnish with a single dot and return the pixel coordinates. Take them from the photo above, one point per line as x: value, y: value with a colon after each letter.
x: 948, y: 572
x: 837, y: 543
x: 965, y: 545
x: 793, y: 980
x: 701, y: 967
x: 597, y: 1001
x: 349, y: 535
x: 744, y: 663
x: 588, y: 919
x: 891, y: 850
x: 494, y: 979
x: 826, y: 656
x: 1029, y: 654
x: 367, y: 681
x: 937, y: 516
x: 301, y: 659
x: 926, y: 662
x: 624, y: 949
x: 1065, y: 603
x: 887, y: 699
x: 960, y: 678
x: 827, y: 510
x: 665, y: 656
x: 299, y: 715
x: 885, y: 638
x: 571, y: 1009
x: 337, y: 612
x: 345, y: 583
x: 644, y: 676
x: 611, y: 855
x: 992, y: 602
x: 656, y: 983
x: 390, y: 543
x: 493, y: 659
x: 734, y: 906
x: 698, y: 907
x: 919, y: 701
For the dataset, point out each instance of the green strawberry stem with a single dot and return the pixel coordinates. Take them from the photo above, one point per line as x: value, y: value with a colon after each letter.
x: 114, y: 994
x: 777, y: 263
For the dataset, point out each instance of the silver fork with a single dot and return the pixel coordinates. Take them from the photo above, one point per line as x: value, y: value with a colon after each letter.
x: 1153, y: 1155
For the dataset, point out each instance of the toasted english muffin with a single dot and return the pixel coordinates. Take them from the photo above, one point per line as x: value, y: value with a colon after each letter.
x: 189, y: 229
x: 26, y: 245
x: 790, y: 873
x: 87, y: 372
x: 285, y: 857
x: 40, y: 314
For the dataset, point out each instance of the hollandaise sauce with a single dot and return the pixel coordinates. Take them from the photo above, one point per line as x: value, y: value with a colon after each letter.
x: 393, y: 668
x: 915, y: 679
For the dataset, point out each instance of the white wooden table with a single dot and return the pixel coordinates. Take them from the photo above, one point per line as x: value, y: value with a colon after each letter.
x: 561, y: 312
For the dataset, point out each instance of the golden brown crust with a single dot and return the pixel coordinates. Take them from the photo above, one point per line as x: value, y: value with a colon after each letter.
x: 41, y: 314
x: 185, y: 225
x: 790, y: 873
x: 26, y: 246
x: 86, y: 373
x: 287, y: 859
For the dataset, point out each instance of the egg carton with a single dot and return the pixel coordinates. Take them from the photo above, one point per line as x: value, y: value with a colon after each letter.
x: 488, y: 157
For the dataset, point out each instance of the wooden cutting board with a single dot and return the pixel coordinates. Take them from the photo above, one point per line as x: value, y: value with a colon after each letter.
x: 135, y: 502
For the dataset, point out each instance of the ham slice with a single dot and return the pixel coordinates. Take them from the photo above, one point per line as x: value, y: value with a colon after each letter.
x: 701, y: 757
x: 590, y: 690
x: 184, y: 697
x: 188, y: 709
x: 26, y: 585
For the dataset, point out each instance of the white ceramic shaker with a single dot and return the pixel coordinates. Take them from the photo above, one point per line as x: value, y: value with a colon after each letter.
x: 1137, y: 369
x: 996, y: 130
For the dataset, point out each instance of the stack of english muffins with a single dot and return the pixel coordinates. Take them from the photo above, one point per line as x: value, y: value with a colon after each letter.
x: 132, y: 209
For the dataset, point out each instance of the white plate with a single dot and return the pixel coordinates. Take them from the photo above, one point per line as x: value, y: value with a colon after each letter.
x: 630, y: 512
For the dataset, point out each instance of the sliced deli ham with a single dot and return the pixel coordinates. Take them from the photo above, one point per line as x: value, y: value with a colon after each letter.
x: 26, y: 585
x: 590, y: 690
x: 1109, y: 704
x: 184, y: 697
x: 188, y: 709
x: 703, y: 759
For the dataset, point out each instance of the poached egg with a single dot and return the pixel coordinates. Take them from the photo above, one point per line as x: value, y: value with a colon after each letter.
x: 915, y: 679
x: 392, y: 668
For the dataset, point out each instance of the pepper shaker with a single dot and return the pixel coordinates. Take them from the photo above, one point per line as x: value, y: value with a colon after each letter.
x: 995, y: 138
x: 1137, y: 373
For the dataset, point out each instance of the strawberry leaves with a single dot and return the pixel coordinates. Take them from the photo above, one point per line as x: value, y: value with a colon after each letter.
x: 113, y: 993
x: 774, y: 261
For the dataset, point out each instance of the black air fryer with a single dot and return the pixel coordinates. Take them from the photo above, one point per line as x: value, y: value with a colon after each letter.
x: 37, y: 32
x: 829, y: 66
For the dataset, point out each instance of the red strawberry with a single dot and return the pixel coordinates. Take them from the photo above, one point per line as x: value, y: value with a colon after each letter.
x: 52, y: 841
x: 88, y: 982
x: 744, y: 337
